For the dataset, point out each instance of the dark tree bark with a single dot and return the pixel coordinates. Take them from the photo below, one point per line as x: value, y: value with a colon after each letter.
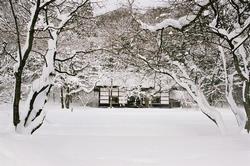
x: 22, y: 59
x: 17, y: 98
x: 31, y: 117
x: 62, y: 98
x: 67, y: 98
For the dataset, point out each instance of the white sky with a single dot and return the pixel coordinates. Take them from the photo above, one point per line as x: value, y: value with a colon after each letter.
x: 104, y: 6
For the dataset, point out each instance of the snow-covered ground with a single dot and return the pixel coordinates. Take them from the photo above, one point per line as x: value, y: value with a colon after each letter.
x: 124, y: 137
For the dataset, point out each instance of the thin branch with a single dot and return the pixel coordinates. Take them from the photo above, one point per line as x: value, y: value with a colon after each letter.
x: 243, y: 30
x: 17, y: 30
x: 78, y: 70
x: 42, y: 55
x: 46, y: 4
x: 65, y: 72
x: 47, y: 22
x: 4, y: 51
x: 239, y: 44
x: 66, y: 59
x: 71, y: 14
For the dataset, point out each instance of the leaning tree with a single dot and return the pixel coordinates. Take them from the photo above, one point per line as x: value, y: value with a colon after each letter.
x: 229, y: 23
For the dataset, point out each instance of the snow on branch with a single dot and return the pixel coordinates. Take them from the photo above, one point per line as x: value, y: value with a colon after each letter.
x: 180, y: 23
x: 235, y: 36
x: 64, y: 17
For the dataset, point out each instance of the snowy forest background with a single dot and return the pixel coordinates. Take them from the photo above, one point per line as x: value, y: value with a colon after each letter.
x: 67, y: 45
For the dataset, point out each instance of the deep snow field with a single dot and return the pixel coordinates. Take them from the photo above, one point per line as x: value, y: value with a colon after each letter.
x: 124, y: 137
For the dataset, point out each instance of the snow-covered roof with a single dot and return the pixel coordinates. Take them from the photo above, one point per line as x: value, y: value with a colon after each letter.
x: 125, y: 79
x: 134, y: 79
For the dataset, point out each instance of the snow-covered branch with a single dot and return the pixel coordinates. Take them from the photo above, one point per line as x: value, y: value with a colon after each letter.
x: 182, y: 22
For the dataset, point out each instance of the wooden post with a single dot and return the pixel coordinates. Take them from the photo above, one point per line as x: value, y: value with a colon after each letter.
x: 111, y: 98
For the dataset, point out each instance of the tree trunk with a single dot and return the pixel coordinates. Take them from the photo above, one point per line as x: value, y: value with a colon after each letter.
x: 35, y: 108
x: 239, y: 114
x: 111, y: 95
x: 62, y: 98
x: 35, y: 113
x: 198, y: 96
x: 17, y: 98
x: 67, y: 99
x: 246, y: 103
x: 209, y: 111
